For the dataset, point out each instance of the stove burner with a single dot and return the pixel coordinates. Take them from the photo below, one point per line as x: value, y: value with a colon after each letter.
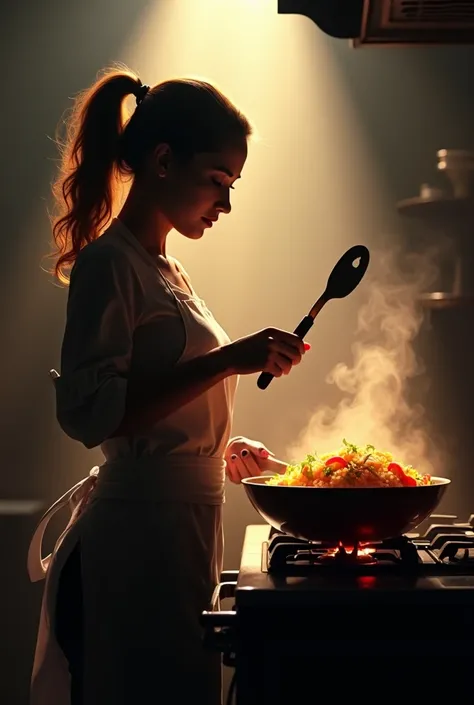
x: 285, y: 553
x: 446, y: 547
x: 348, y: 555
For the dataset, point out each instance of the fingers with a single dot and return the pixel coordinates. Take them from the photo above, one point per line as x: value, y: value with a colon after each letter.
x: 241, y: 465
x: 245, y: 458
x: 286, y: 350
x: 231, y: 473
x: 281, y: 364
x: 231, y: 469
x: 236, y: 469
x: 291, y: 353
x: 264, y: 452
x: 239, y: 443
x: 282, y: 336
x: 250, y: 463
x: 272, y: 368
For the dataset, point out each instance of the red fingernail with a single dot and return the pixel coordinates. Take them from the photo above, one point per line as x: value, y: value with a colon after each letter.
x: 307, y: 346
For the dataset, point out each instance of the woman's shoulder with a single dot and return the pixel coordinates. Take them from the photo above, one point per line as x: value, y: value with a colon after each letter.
x: 107, y: 253
x: 109, y: 265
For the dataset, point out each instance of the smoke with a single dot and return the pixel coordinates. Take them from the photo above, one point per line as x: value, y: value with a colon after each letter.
x: 375, y: 408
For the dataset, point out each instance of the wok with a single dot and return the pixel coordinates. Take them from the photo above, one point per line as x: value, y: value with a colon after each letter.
x: 344, y: 514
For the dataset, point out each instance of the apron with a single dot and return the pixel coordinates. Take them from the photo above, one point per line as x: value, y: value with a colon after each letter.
x: 151, y: 542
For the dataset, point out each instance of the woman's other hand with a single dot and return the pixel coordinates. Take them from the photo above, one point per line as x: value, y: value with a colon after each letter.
x: 247, y: 458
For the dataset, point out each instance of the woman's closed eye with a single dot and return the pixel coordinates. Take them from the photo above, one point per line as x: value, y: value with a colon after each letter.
x: 220, y: 184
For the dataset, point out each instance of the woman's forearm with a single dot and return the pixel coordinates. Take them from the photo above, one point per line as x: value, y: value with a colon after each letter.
x: 151, y: 400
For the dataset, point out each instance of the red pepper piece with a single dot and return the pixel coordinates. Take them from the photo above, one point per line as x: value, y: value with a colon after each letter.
x: 405, y: 479
x: 336, y: 461
x: 409, y: 481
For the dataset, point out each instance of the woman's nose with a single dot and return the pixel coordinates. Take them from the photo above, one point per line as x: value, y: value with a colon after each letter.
x: 224, y: 206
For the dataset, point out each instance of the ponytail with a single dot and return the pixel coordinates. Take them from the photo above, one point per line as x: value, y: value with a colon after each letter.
x: 91, y: 171
x: 102, y: 149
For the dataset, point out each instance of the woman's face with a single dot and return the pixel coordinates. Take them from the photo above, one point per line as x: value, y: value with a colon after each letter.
x: 194, y: 194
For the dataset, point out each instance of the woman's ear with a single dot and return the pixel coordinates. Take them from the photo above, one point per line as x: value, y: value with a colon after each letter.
x: 162, y: 159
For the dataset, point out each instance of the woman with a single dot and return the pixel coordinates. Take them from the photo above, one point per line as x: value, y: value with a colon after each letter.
x: 149, y: 375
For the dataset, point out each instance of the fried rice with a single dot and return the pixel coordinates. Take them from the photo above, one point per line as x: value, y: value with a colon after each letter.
x: 351, y: 466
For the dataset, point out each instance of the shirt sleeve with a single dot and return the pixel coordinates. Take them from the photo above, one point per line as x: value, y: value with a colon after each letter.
x: 102, y: 313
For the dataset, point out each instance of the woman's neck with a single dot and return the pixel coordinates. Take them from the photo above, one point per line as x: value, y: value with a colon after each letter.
x: 145, y: 222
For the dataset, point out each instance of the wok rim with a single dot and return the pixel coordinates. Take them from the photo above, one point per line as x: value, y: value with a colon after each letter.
x: 261, y: 481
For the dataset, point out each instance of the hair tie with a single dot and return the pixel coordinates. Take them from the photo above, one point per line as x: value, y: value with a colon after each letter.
x: 141, y: 93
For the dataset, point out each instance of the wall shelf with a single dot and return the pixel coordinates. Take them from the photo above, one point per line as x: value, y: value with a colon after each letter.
x: 442, y: 209
x: 456, y: 216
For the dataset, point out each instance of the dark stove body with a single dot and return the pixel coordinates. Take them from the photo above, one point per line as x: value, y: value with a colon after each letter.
x: 397, y: 627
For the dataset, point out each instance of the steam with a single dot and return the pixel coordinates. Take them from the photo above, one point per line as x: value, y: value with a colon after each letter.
x: 375, y: 408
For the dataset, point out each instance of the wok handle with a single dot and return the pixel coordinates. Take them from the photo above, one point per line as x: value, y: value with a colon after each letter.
x: 301, y: 329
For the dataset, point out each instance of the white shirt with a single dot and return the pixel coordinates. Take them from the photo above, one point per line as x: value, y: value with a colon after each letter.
x: 125, y: 318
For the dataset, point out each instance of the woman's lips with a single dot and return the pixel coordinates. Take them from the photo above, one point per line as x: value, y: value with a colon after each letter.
x: 208, y: 222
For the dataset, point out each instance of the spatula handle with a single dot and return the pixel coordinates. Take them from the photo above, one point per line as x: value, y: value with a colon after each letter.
x: 303, y: 326
x: 301, y: 329
x: 264, y: 380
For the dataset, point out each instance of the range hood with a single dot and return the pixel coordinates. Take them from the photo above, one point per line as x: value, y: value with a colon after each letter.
x: 389, y: 22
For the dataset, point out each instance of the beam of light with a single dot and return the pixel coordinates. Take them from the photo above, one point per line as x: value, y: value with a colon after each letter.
x: 309, y: 156
x: 311, y: 188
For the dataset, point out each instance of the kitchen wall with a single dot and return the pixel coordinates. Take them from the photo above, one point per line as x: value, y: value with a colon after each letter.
x: 344, y: 135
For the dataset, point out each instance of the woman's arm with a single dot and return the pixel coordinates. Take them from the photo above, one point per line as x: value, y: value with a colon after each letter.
x: 149, y: 401
x: 104, y: 306
x: 96, y: 396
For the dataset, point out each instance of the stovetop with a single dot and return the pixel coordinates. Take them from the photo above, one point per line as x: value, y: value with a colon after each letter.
x: 425, y: 567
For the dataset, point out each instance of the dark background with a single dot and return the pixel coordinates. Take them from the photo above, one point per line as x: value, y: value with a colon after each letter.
x: 50, y: 51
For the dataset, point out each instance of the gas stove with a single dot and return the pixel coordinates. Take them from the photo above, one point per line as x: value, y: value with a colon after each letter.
x: 441, y: 549
x: 422, y: 567
x: 309, y: 607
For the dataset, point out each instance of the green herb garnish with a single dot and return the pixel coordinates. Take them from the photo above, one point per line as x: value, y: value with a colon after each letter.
x: 350, y: 446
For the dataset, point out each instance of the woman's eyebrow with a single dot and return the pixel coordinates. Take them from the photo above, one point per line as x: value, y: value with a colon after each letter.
x: 224, y: 170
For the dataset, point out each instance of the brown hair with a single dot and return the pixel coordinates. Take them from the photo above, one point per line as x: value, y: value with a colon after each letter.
x: 103, y: 149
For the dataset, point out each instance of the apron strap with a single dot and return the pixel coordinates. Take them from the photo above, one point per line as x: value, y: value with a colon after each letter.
x: 76, y: 497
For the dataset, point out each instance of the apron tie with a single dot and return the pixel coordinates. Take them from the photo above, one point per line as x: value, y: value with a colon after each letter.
x: 77, y: 497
